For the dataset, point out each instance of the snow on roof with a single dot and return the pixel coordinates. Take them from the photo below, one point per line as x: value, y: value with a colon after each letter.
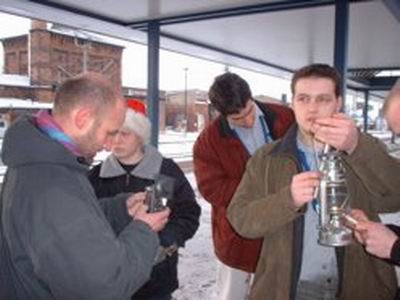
x: 15, y: 103
x: 9, y: 36
x: 202, y: 102
x: 15, y: 80
x: 85, y: 35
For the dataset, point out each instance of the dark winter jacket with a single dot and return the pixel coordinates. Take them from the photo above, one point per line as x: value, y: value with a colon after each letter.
x: 263, y: 207
x: 110, y: 178
x: 220, y: 159
x: 395, y: 251
x: 58, y: 242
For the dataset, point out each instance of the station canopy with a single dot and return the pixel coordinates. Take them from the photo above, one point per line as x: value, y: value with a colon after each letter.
x: 274, y: 37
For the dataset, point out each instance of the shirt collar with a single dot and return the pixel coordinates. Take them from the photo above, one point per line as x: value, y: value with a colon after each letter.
x: 258, y: 113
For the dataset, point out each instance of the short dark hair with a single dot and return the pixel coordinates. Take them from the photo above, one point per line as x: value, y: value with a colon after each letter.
x: 229, y: 93
x: 90, y: 89
x: 318, y: 71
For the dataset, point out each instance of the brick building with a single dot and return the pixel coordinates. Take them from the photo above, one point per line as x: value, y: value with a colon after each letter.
x: 47, y: 57
x: 191, y: 105
x: 35, y: 64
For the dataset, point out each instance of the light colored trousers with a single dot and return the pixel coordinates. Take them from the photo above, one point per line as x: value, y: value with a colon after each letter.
x: 232, y: 284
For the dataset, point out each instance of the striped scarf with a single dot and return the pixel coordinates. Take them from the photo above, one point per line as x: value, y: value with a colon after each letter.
x: 46, y: 123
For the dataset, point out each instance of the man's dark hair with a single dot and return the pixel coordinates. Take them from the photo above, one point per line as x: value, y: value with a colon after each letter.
x: 229, y: 93
x: 90, y: 89
x: 318, y: 71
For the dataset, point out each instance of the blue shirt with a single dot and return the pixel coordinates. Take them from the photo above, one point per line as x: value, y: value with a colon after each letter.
x: 319, y: 265
x: 255, y: 137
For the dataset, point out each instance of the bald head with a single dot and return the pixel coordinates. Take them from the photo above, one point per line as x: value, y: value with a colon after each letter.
x: 90, y: 110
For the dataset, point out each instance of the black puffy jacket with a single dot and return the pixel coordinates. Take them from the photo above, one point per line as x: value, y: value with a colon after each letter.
x: 110, y: 178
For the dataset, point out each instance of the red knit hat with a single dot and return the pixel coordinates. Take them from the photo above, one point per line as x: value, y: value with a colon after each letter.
x: 136, y: 119
x: 137, y: 106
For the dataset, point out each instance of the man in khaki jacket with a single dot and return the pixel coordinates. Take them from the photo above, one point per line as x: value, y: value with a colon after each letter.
x: 274, y: 201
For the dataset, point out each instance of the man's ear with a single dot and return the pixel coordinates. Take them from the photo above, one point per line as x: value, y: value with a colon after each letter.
x: 83, y: 117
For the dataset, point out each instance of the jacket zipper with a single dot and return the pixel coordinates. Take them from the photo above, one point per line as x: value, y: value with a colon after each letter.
x: 127, y: 175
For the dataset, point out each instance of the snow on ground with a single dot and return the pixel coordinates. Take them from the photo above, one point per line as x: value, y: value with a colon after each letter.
x: 177, y: 145
x: 197, y: 262
x: 177, y: 136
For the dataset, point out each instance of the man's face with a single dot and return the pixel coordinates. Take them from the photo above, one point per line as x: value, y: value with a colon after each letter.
x: 392, y: 114
x: 314, y: 98
x: 102, y: 131
x: 126, y: 144
x: 245, y: 117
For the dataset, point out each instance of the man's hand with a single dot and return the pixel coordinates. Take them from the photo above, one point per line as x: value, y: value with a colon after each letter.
x: 339, y: 131
x: 376, y: 237
x: 134, y: 202
x: 138, y: 211
x: 156, y: 221
x: 359, y: 216
x: 303, y: 186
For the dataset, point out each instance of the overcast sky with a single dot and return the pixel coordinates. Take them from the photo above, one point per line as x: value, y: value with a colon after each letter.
x: 200, y: 73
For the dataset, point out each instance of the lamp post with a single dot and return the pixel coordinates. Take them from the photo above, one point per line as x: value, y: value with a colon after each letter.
x: 185, y: 102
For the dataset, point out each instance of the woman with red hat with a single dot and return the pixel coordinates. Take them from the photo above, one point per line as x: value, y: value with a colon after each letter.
x: 134, y: 165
